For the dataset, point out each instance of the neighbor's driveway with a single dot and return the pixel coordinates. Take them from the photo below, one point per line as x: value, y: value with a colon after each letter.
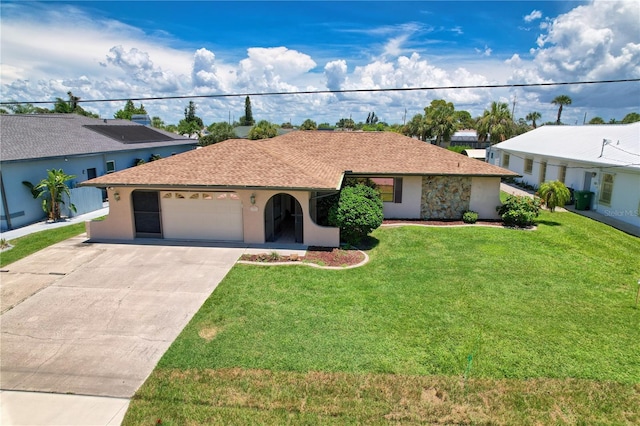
x: 102, y: 315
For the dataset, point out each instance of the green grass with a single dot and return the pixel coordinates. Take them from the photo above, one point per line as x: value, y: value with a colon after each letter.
x: 507, y: 326
x: 29, y: 244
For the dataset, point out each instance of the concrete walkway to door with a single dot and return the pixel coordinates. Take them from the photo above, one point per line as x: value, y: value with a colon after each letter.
x: 93, y: 319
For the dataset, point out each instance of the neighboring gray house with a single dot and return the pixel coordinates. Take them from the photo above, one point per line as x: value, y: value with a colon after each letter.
x: 602, y: 159
x: 82, y: 146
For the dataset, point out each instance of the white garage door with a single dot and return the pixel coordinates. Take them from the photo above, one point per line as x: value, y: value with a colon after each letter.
x: 201, y: 215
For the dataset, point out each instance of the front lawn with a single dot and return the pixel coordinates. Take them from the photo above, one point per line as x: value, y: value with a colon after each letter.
x: 452, y: 325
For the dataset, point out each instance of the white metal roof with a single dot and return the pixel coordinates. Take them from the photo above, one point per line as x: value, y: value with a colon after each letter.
x: 607, y: 144
x: 475, y: 153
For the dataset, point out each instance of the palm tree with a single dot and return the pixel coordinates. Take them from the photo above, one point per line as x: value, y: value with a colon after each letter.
x: 554, y: 193
x: 440, y: 121
x: 52, y: 190
x: 496, y: 123
x: 533, y: 116
x: 561, y: 100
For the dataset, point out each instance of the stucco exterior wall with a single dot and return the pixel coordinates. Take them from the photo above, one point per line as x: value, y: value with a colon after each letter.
x: 119, y: 224
x: 409, y: 208
x: 485, y: 196
x: 254, y: 231
x: 445, y: 197
x: 625, y: 199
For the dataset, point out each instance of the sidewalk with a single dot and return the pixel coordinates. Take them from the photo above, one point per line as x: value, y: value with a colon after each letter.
x: 45, y: 225
x: 591, y: 214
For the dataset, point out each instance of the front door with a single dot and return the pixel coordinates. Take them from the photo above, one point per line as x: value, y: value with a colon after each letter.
x: 283, y: 220
x: 146, y: 214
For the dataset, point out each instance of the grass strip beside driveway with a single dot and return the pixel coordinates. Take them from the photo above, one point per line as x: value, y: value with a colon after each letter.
x: 29, y: 244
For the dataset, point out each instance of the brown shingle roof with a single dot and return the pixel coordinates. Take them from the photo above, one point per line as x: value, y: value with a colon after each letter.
x: 303, y: 159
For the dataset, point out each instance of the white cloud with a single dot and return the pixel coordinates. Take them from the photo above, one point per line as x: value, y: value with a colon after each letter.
x: 336, y: 74
x: 204, y: 72
x: 43, y: 58
x: 393, y: 47
x: 484, y: 52
x: 597, y: 41
x: 535, y: 14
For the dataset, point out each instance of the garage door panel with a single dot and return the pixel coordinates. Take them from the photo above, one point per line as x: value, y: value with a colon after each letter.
x: 201, y: 216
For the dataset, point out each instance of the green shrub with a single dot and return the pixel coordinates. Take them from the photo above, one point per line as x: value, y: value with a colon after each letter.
x: 358, y: 212
x: 554, y: 193
x: 519, y: 211
x: 470, y: 217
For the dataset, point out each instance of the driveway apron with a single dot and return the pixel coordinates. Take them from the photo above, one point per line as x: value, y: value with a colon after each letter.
x: 102, y: 314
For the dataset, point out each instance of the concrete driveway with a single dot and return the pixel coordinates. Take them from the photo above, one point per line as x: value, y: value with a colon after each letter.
x: 102, y: 314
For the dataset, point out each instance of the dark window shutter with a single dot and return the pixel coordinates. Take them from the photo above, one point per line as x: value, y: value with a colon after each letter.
x: 397, y: 190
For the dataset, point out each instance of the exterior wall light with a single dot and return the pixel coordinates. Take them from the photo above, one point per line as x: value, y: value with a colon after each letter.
x: 116, y: 195
x: 252, y: 199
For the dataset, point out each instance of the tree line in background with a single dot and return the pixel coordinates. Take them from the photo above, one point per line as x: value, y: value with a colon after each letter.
x: 437, y: 125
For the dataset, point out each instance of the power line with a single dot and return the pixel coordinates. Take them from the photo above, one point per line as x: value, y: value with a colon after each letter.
x: 319, y: 92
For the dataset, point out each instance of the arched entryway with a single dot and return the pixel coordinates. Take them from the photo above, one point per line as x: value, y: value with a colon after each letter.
x: 283, y: 220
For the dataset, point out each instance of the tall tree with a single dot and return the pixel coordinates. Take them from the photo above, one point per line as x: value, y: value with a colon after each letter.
x: 533, y: 116
x: 346, y: 123
x: 263, y: 130
x: 632, y: 117
x: 561, y: 101
x: 188, y: 127
x: 129, y: 110
x: 157, y: 122
x: 496, y: 123
x: 52, y: 190
x: 218, y: 132
x: 308, y: 124
x: 440, y: 121
x: 416, y: 127
x: 190, y: 115
x: 247, y: 119
x: 464, y: 120
x: 71, y: 106
x: 21, y: 108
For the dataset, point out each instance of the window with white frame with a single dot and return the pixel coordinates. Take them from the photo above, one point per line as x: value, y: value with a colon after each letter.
x: 111, y: 166
x: 528, y: 165
x: 606, y: 188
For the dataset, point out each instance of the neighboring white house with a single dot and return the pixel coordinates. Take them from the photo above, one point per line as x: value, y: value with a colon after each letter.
x: 81, y: 146
x: 603, y: 159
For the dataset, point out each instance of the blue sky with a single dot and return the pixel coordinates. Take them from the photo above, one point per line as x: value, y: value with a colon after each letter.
x: 117, y: 49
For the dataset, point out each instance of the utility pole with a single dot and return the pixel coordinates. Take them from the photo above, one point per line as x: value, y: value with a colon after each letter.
x: 513, y: 109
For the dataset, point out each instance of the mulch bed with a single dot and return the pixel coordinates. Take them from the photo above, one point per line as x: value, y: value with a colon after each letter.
x: 439, y: 222
x: 318, y: 255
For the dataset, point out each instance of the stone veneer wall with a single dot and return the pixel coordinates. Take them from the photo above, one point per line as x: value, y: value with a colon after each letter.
x: 445, y: 197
